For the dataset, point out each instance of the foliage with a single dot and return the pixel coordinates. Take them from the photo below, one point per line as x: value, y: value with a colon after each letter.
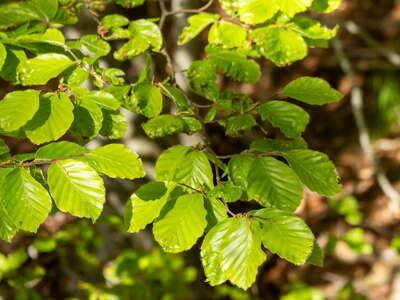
x: 194, y: 185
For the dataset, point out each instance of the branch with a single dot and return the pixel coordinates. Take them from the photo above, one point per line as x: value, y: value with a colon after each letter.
x: 357, y: 110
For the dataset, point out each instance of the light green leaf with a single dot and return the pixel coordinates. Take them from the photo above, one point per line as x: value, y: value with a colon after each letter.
x: 273, y: 183
x: 313, y: 29
x: 286, y: 235
x: 145, y: 205
x: 234, y: 248
x: 95, y: 45
x: 17, y: 13
x: 47, y: 8
x: 51, y: 36
x: 148, y: 31
x: 169, y: 162
x: 135, y: 46
x: 326, y: 6
x: 114, y: 21
x: 312, y: 90
x: 315, y: 170
x: 202, y: 75
x: 239, y: 167
x: 130, y: 3
x: 4, y: 151
x: 235, y: 65
x: 42, y: 68
x: 291, y: 119
x: 256, y: 11
x: 76, y: 188
x: 197, y: 23
x: 179, y: 229
x: 147, y: 99
x: 13, y: 59
x: 7, y: 227
x: 103, y: 99
x: 227, y: 34
x: 292, y: 7
x: 163, y: 125
x: 282, y: 46
x: 195, y: 170
x: 52, y: 120
x: 114, y: 124
x: 59, y: 150
x: 216, y: 211
x: 3, y: 55
x: 116, y: 160
x: 236, y: 125
x: 12, y: 117
x: 25, y: 201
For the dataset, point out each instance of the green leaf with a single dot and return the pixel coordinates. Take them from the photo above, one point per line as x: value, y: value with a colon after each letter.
x: 76, y: 188
x: 114, y: 21
x: 47, y: 8
x: 197, y: 23
x: 169, y: 161
x: 227, y: 34
x: 59, y: 150
x: 315, y: 170
x: 231, y: 250
x: 325, y: 6
x: 177, y: 96
x: 148, y: 31
x: 7, y: 227
x: 282, y: 46
x: 11, y: 115
x: 316, y: 257
x: 17, y: 13
x: 88, y: 118
x: 3, y: 55
x: 163, y: 125
x: 202, y: 75
x: 216, y: 212
x: 313, y: 29
x: 256, y: 11
x: 25, y: 201
x: 52, y: 120
x: 273, y: 145
x: 4, y: 151
x: 228, y: 192
x: 235, y: 65
x: 239, y: 167
x: 292, y: 7
x: 95, y: 45
x: 179, y: 229
x: 42, y: 68
x: 145, y: 205
x: 291, y: 119
x: 13, y: 59
x: 114, y: 124
x: 51, y: 36
x: 130, y: 3
x: 236, y: 125
x: 273, y: 183
x: 116, y: 160
x: 103, y: 99
x: 147, y: 99
x: 312, y: 90
x: 135, y: 46
x: 286, y: 235
x: 195, y: 170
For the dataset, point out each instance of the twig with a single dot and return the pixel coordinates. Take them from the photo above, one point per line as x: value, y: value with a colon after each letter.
x: 191, y: 11
x: 357, y: 110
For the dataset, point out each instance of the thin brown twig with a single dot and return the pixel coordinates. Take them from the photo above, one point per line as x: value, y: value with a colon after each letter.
x: 191, y: 10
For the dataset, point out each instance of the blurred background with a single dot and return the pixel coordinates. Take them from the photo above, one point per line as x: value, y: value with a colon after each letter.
x: 71, y: 258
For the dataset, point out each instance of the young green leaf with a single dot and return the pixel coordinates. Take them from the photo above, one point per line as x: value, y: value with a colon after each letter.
x: 3, y: 55
x: 147, y: 99
x: 179, y: 229
x: 17, y: 13
x: 11, y: 115
x: 114, y: 124
x: 239, y: 167
x: 256, y: 11
x: 59, y: 150
x: 4, y: 151
x: 325, y: 6
x: 145, y: 205
x: 148, y: 31
x: 292, y: 7
x: 95, y: 45
x: 163, y: 125
x: 169, y: 161
x: 286, y: 235
x: 315, y: 170
x: 273, y: 183
x: 282, y: 46
x: 135, y: 46
x: 130, y: 3
x: 116, y: 160
x: 47, y: 8
x: 311, y: 90
x: 177, y: 96
x: 197, y: 23
x: 264, y: 146
x: 237, y: 124
x: 76, y: 188
x: 316, y: 257
x: 42, y: 68
x: 114, y: 21
x: 88, y: 118
x: 291, y: 119
x: 227, y: 35
x: 52, y: 120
